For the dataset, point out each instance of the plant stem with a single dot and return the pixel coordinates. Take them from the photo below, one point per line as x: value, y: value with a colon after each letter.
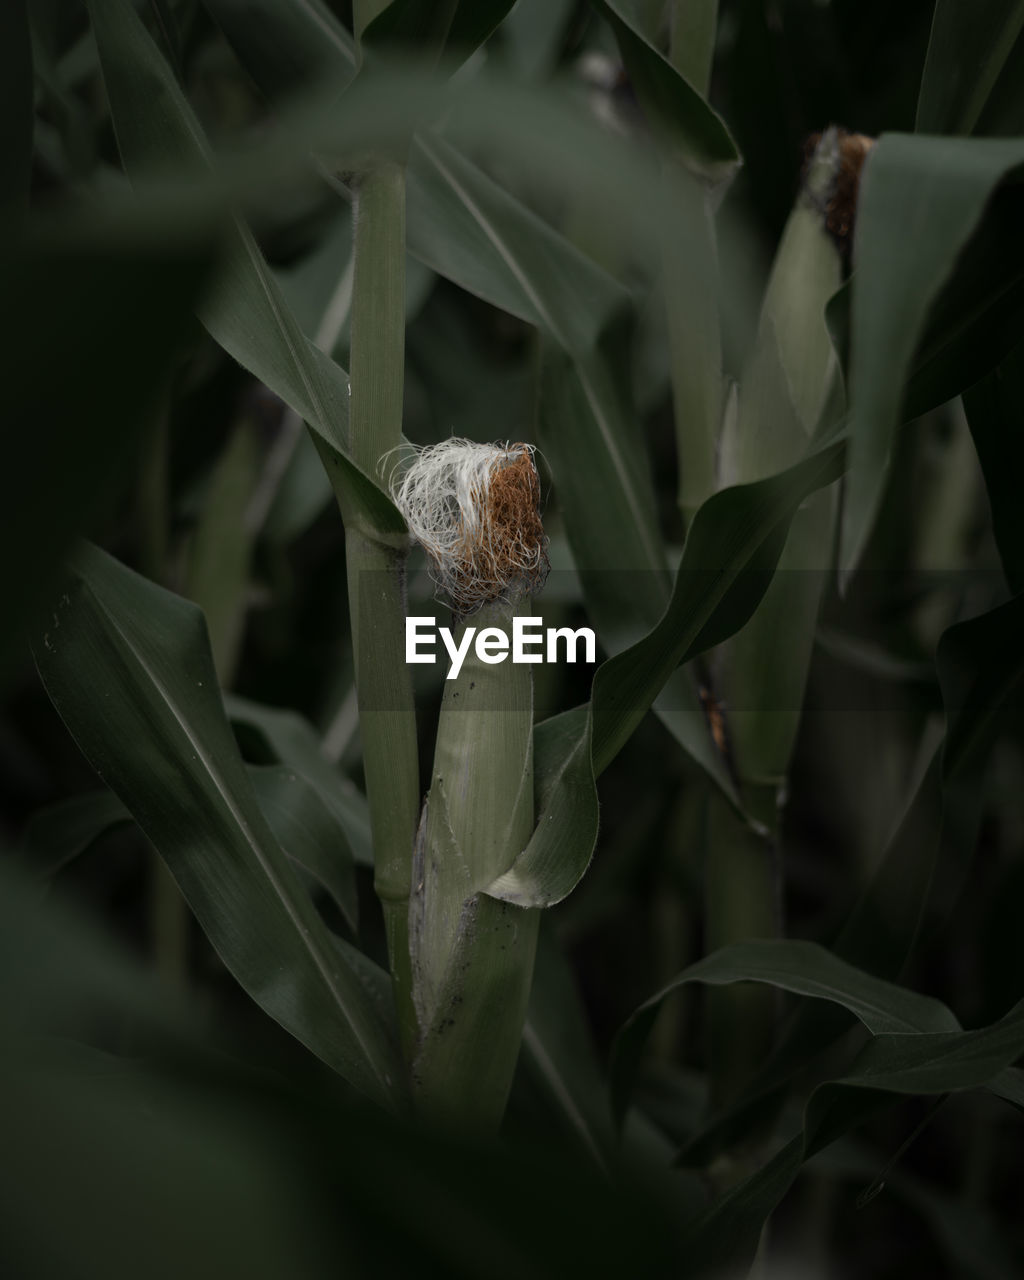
x: 376, y: 573
x: 474, y: 955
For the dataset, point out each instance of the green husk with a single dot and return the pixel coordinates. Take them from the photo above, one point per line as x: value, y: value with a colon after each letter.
x: 472, y: 954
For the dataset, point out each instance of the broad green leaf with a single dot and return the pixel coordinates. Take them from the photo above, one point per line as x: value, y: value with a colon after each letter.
x: 16, y: 109
x: 977, y: 318
x: 246, y: 313
x: 968, y: 50
x: 454, y: 27
x: 728, y: 561
x: 923, y: 1063
x: 128, y: 667
x: 286, y: 737
x: 729, y: 557
x: 671, y: 103
x: 78, y: 293
x: 995, y: 412
x: 938, y: 187
x: 470, y: 230
x: 591, y: 446
x: 801, y: 967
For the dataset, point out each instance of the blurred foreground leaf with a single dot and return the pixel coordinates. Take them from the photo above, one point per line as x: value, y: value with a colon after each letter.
x: 183, y: 1160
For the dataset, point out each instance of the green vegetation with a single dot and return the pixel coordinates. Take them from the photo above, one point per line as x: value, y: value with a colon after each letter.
x: 702, y: 960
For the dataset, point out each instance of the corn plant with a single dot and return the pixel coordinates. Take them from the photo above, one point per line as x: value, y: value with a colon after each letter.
x: 516, y: 506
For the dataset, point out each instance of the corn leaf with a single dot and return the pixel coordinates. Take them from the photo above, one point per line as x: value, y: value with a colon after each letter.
x: 128, y: 666
x: 920, y: 200
x: 970, y: 49
x: 730, y: 555
x: 979, y: 663
x: 303, y: 826
x: 903, y: 1064
x: 804, y: 968
x: 671, y: 103
x: 976, y: 320
x: 285, y: 737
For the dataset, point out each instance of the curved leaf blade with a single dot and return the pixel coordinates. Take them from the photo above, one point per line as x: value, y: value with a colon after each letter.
x: 129, y: 669
x: 670, y: 101
x: 730, y: 555
x: 803, y: 968
x: 923, y: 1063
